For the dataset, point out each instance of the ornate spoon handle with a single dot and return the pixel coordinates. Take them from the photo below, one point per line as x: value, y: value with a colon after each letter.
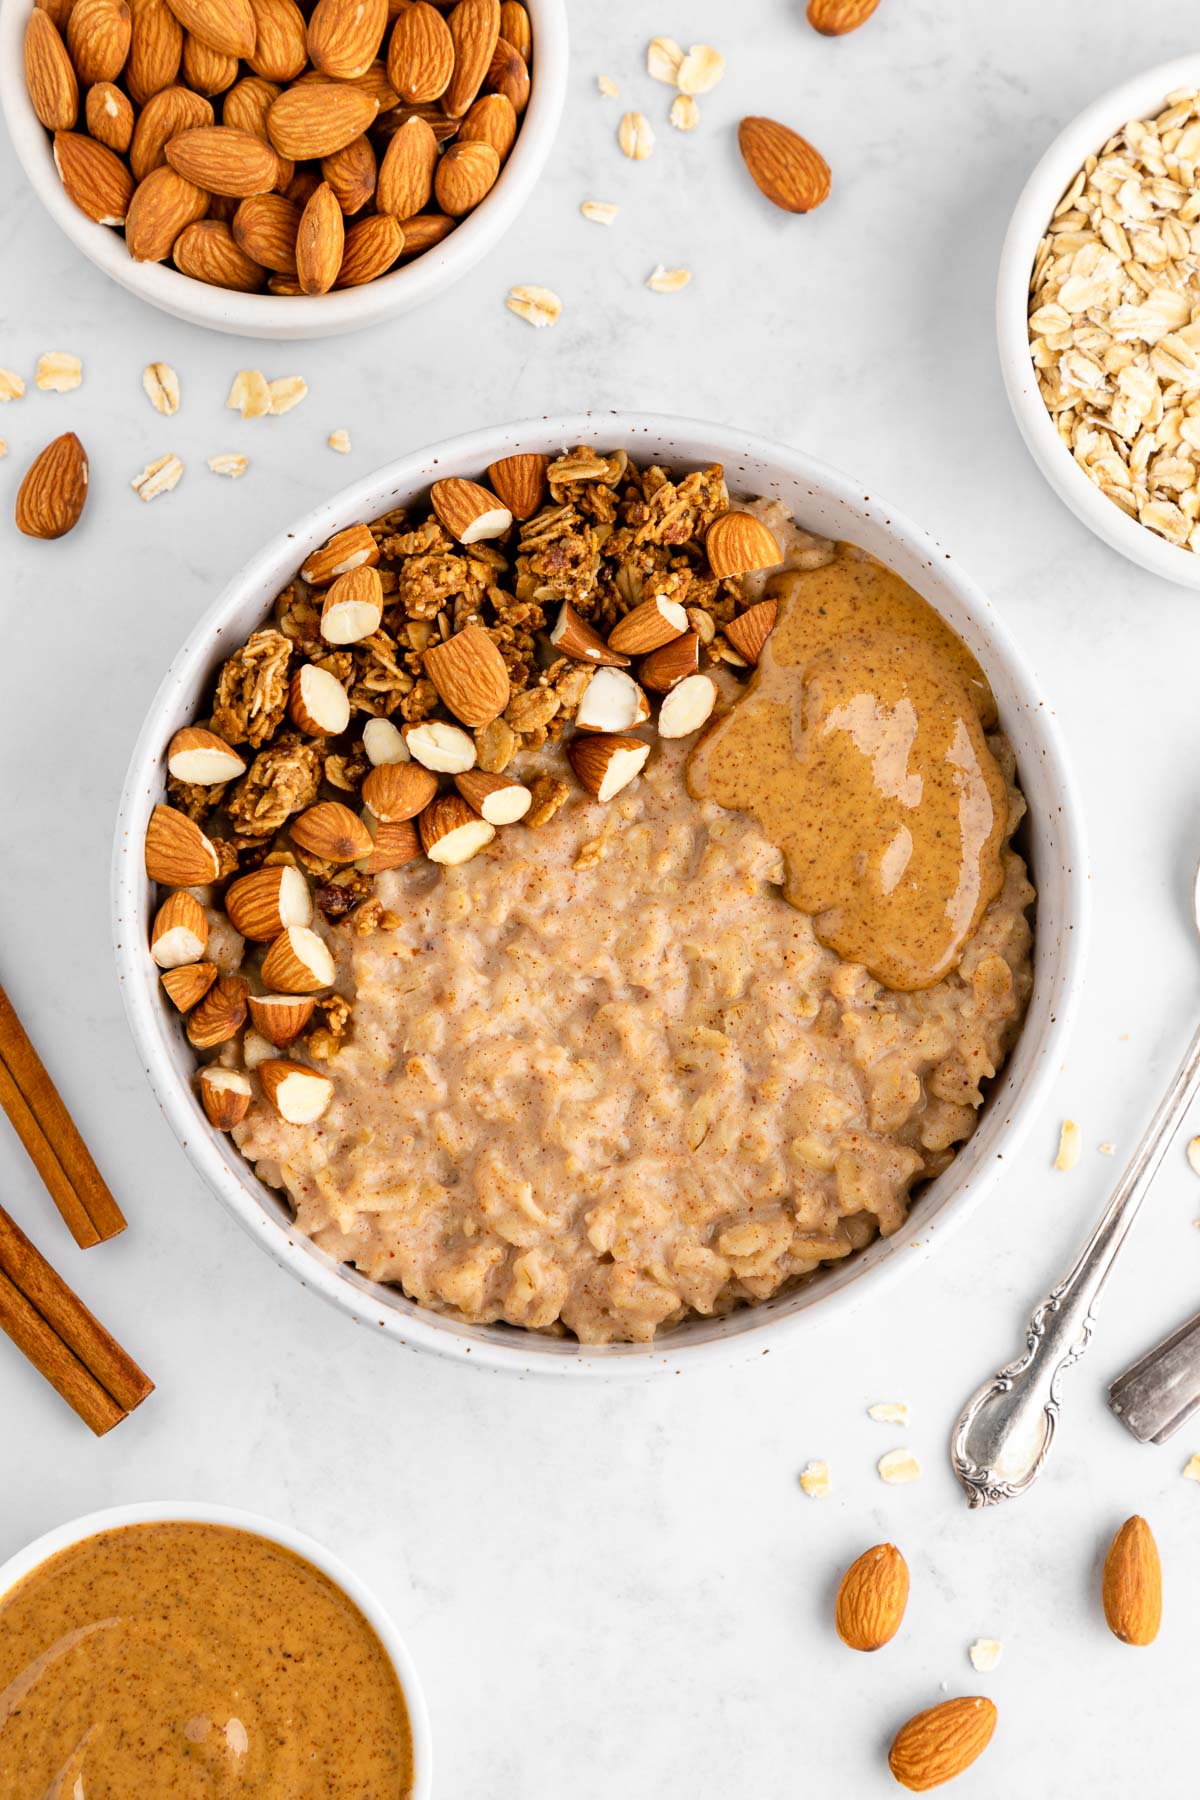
x: 1004, y: 1433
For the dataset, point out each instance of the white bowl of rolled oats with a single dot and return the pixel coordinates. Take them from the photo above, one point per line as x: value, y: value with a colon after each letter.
x: 490, y: 1026
x: 1098, y: 318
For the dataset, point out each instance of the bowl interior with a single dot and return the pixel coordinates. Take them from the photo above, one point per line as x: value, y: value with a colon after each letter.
x: 1142, y: 96
x: 824, y: 502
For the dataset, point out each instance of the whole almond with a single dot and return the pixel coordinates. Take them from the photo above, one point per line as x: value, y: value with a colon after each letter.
x: 96, y: 180
x: 98, y: 34
x: 226, y: 26
x: 224, y: 161
x: 834, y: 18
x: 164, y: 116
x: 465, y: 174
x: 320, y: 242
x: 785, y: 167
x: 474, y: 29
x: 422, y: 232
x: 163, y: 205
x: 59, y: 11
x: 406, y: 174
x: 520, y: 482
x: 352, y: 174
x: 1132, y: 1584
x: 470, y: 676
x: 937, y: 1745
x: 155, y: 49
x: 313, y: 119
x: 372, y: 246
x: 51, y: 497
x: 265, y: 227
x: 49, y: 73
x: 508, y: 75
x: 420, y: 54
x: 206, y: 70
x: 208, y: 251
x: 491, y: 120
x: 515, y: 26
x: 388, y: 123
x: 109, y: 116
x: 280, y: 44
x: 344, y: 36
x: 247, y: 104
x: 872, y: 1598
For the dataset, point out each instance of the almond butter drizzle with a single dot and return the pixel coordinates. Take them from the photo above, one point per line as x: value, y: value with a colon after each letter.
x: 860, y: 749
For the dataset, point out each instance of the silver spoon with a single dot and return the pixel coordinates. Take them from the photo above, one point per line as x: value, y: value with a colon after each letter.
x: 1003, y: 1436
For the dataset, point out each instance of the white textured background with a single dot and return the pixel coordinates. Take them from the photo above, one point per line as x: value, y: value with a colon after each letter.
x: 624, y: 1591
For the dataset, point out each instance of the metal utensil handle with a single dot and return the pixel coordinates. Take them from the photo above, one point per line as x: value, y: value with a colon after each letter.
x: 1004, y: 1434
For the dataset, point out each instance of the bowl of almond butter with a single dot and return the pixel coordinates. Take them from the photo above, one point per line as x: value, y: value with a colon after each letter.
x: 278, y: 172
x: 599, y: 895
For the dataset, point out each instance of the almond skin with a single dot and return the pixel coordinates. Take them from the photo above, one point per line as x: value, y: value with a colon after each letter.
x: 220, y: 1015
x: 507, y: 75
x: 344, y: 36
x: 52, y: 495
x: 314, y: 119
x: 937, y: 1745
x: 785, y: 167
x: 397, y: 791
x: 155, y: 50
x: 1131, y: 1587
x: 465, y: 175
x: 406, y: 173
x: 207, y: 251
x: 96, y: 180
x: 751, y: 629
x: 352, y: 174
x: 331, y: 831
x: 372, y: 246
x: 475, y: 30
x: 423, y: 231
x: 738, y: 543
x: 264, y: 227
x: 226, y: 26
x: 491, y: 120
x: 109, y: 117
x: 98, y: 35
x: 320, y: 242
x: 665, y: 668
x: 834, y: 18
x: 469, y: 674
x: 515, y: 26
x: 164, y: 116
x: 872, y: 1598
x: 176, y: 851
x: 206, y: 70
x: 162, y: 206
x: 224, y: 161
x: 420, y: 54
x: 280, y: 43
x: 520, y: 482
x: 49, y: 74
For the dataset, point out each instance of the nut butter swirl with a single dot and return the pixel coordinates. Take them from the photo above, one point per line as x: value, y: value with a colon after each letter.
x: 860, y: 749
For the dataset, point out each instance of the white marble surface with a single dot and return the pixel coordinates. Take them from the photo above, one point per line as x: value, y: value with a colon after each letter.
x: 624, y: 1590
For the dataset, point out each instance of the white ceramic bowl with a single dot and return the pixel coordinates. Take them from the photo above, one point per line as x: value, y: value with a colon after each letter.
x: 324, y: 315
x: 158, y: 1512
x: 1138, y: 98
x: 824, y: 501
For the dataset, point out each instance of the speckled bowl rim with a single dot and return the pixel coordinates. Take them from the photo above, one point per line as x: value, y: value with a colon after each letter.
x: 202, y: 1512
x: 824, y: 499
x: 325, y: 315
x: 1139, y: 97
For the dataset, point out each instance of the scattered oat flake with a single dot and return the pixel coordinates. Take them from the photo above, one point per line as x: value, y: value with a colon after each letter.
x: 11, y: 386
x: 608, y: 87
x: 1070, y: 1144
x: 1107, y: 1149
x: 664, y: 59
x: 897, y: 1467
x: 339, y: 441
x: 685, y: 114
x: 538, y: 306
x: 635, y: 136
x: 3, y: 448
x: 1193, y: 1155
x: 157, y: 478
x: 667, y: 281
x: 889, y: 1412
x: 600, y: 212
x: 1191, y: 1469
x: 250, y: 394
x: 287, y: 392
x: 162, y: 387
x: 58, y: 372
x: 814, y: 1479
x: 230, y: 463
x: 700, y: 70
x: 985, y: 1653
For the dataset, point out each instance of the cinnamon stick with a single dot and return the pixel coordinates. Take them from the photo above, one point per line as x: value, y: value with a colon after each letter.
x: 58, y: 1135
x: 80, y: 1332
x: 51, y: 1357
x: 37, y: 1144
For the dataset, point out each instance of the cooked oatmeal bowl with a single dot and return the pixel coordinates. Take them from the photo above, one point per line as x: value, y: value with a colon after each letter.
x: 527, y: 967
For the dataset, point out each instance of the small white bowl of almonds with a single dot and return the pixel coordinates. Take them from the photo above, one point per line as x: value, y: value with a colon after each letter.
x: 1098, y: 318
x: 276, y: 172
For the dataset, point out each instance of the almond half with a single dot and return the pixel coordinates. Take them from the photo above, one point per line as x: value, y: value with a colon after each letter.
x: 445, y: 748
x: 384, y: 743
x: 494, y: 797
x: 265, y: 902
x: 332, y: 832
x: 318, y: 704
x: 468, y: 511
x: 280, y: 1017
x: 687, y: 707
x: 664, y: 669
x: 648, y: 627
x: 298, y: 1094
x: 937, y: 1745
x: 1132, y: 1584
x: 872, y: 1598
x: 225, y: 1096
x: 606, y: 764
x: 177, y: 853
x: 738, y: 543
x: 220, y: 1015
x: 751, y: 629
x: 298, y: 962
x: 520, y: 482
x: 612, y: 701
x: 398, y: 790
x: 180, y: 931
x: 469, y: 674
x: 574, y: 637
x: 451, y: 833
x: 353, y: 548
x: 201, y: 758
x: 393, y: 844
x: 188, y: 984
x: 353, y: 607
